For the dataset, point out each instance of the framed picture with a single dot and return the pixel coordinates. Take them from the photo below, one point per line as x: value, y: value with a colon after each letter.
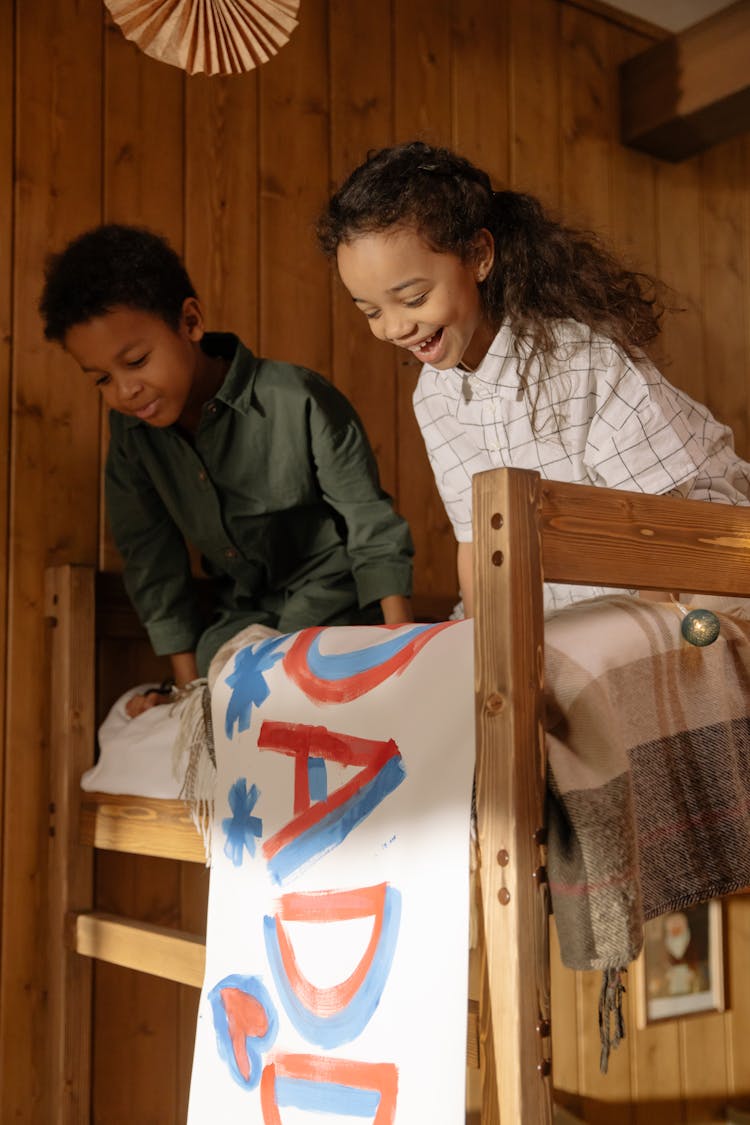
x: 680, y: 971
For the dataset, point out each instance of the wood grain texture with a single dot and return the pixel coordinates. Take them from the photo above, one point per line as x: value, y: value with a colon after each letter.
x: 157, y: 950
x: 140, y: 826
x: 361, y: 119
x: 510, y: 780
x: 221, y: 201
x: 692, y: 91
x: 625, y: 536
x: 295, y: 322
x: 53, y: 480
x: 69, y: 597
x: 422, y: 110
x: 7, y: 110
x: 535, y: 119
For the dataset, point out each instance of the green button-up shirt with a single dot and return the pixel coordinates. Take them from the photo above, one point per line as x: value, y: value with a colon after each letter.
x: 278, y: 490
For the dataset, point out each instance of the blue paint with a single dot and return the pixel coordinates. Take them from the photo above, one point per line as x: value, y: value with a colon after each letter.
x: 326, y: 1097
x: 347, y: 1023
x: 255, y: 1045
x: 317, y: 779
x: 331, y: 830
x: 249, y: 687
x: 241, y: 828
x: 340, y: 666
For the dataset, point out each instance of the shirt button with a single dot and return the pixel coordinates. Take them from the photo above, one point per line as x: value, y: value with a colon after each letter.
x: 202, y: 474
x: 211, y: 408
x: 230, y: 553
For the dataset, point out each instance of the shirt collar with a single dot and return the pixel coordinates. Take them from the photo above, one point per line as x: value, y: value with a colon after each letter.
x: 237, y: 389
x: 497, y: 374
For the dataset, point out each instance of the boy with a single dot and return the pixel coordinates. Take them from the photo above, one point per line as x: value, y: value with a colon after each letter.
x: 262, y: 465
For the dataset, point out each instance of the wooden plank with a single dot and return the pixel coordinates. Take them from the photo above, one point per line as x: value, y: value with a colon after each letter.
x: 480, y: 86
x: 692, y: 91
x: 725, y: 239
x: 165, y: 953
x: 193, y: 917
x: 221, y: 200
x: 143, y: 175
x: 140, y: 826
x: 586, y: 92
x: 422, y: 109
x: 136, y: 1045
x: 69, y: 598
x: 682, y: 352
x: 53, y: 506
x: 624, y: 535
x: 361, y: 120
x: 511, y: 767
x: 535, y: 99
x: 295, y: 322
x: 7, y: 113
x: 633, y: 180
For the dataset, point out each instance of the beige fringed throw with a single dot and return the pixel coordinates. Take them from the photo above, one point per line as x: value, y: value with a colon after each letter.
x: 648, y: 742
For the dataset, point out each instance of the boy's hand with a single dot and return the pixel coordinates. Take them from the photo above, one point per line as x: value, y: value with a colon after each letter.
x: 140, y: 703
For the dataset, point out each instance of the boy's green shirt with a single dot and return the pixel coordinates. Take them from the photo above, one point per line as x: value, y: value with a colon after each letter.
x: 278, y: 490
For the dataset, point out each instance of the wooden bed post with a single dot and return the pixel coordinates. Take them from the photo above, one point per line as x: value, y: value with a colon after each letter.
x: 69, y: 607
x: 511, y: 764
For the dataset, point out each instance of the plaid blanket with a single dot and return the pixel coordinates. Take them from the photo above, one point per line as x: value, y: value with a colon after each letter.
x: 648, y: 741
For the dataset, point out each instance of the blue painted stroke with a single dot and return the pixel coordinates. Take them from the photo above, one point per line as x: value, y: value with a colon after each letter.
x: 326, y: 1097
x: 254, y: 1045
x: 241, y: 829
x: 346, y: 1024
x: 247, y: 681
x: 342, y: 665
x: 329, y: 832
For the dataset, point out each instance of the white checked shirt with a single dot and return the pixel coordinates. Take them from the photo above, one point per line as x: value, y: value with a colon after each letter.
x: 600, y: 419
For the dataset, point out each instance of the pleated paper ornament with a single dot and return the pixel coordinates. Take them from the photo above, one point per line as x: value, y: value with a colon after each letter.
x: 207, y: 36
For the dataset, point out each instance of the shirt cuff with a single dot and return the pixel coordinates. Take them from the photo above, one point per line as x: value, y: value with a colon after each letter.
x: 382, y: 582
x: 172, y: 635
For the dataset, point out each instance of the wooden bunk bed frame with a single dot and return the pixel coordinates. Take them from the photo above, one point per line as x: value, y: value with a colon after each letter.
x: 526, y: 531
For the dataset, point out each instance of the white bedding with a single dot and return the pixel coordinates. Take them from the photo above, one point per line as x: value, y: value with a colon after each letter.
x: 135, y: 755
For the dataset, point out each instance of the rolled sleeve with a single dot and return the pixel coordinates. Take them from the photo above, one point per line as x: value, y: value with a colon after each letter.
x: 378, y: 540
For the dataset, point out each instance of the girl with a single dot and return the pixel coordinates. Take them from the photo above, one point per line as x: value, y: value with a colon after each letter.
x: 532, y: 340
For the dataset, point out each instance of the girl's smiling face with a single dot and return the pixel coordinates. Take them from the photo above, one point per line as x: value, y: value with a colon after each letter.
x: 417, y: 298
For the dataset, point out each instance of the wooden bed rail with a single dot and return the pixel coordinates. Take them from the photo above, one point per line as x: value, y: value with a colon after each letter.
x: 69, y: 610
x: 527, y: 531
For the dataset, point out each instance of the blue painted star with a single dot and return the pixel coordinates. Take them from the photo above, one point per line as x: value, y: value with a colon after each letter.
x: 241, y: 828
x: 248, y: 683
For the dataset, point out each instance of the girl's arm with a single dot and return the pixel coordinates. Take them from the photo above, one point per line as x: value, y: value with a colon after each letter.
x: 465, y: 564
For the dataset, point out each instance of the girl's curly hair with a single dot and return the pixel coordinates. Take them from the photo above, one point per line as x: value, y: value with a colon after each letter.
x: 543, y: 272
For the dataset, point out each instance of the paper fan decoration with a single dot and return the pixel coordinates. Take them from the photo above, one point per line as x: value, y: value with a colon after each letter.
x: 207, y: 36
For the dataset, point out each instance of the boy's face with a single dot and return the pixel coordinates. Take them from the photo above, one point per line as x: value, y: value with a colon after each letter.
x: 141, y: 365
x: 418, y: 299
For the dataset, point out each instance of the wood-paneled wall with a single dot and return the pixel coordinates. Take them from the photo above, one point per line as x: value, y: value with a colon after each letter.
x: 234, y: 171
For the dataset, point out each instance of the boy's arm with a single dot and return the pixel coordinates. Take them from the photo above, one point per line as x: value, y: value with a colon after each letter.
x: 184, y: 670
x: 396, y: 609
x: 378, y: 538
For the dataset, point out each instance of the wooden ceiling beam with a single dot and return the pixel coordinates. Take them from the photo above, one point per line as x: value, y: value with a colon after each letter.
x: 690, y: 91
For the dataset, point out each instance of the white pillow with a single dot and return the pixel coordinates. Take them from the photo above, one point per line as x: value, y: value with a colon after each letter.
x: 135, y: 755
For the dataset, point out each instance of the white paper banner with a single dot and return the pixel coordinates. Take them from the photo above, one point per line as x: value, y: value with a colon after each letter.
x: 337, y: 953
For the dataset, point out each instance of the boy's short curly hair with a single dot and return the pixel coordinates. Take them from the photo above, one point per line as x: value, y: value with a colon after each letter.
x: 108, y: 266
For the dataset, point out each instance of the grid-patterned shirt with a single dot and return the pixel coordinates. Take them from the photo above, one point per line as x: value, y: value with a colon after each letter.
x: 599, y: 419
